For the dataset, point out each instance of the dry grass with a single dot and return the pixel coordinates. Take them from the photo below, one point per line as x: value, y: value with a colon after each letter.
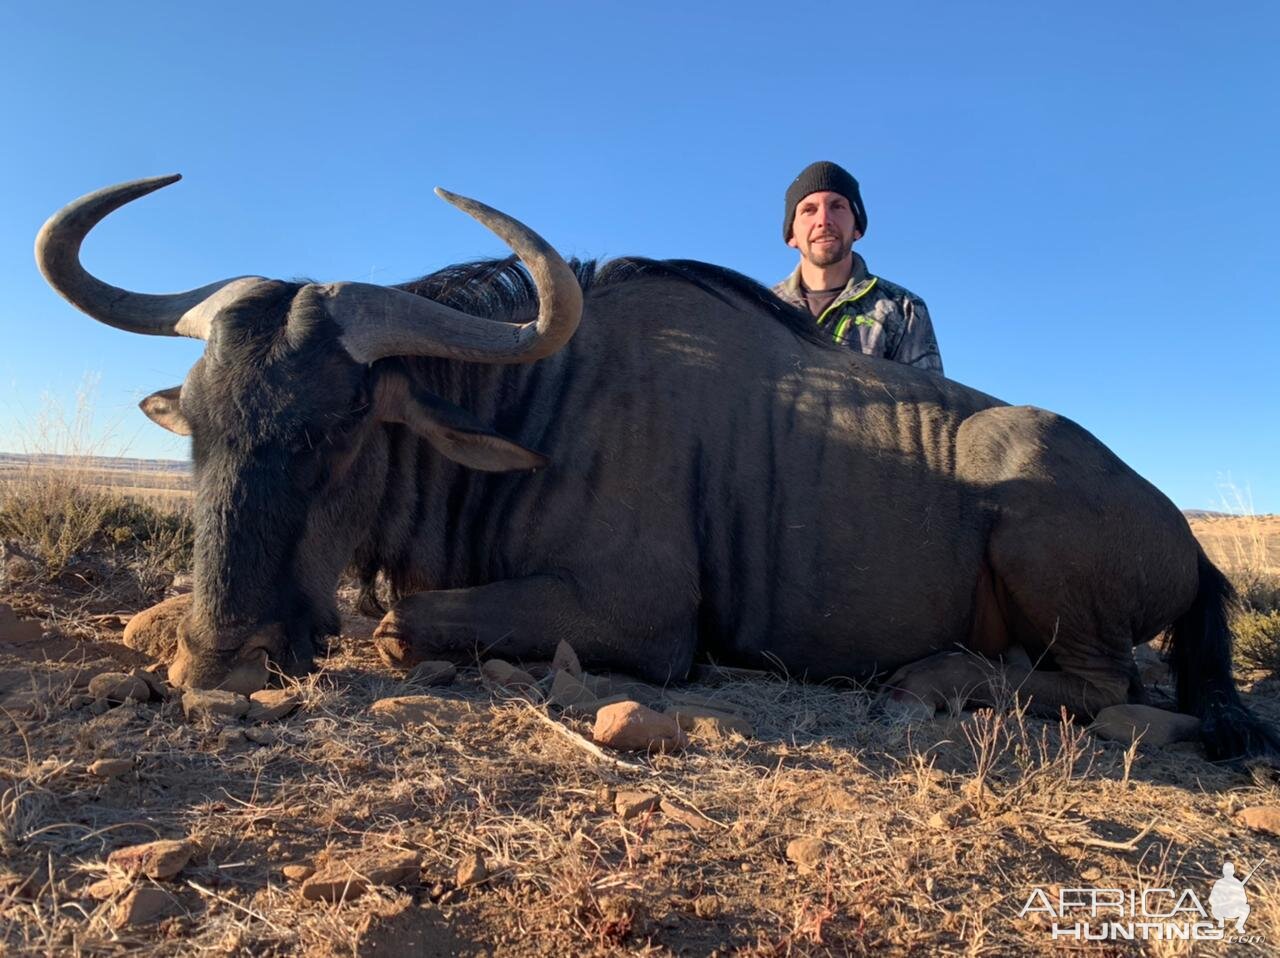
x: 935, y: 833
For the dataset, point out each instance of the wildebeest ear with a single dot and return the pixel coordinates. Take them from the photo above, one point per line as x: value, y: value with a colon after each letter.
x: 162, y: 409
x: 455, y: 433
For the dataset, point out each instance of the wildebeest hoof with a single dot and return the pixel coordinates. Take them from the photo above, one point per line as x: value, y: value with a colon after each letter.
x: 394, y: 645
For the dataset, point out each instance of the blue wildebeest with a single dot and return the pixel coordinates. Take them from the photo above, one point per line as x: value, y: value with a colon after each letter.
x: 654, y: 461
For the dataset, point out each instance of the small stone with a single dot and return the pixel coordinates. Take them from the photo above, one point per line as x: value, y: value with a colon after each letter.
x: 703, y: 722
x: 154, y: 631
x: 684, y: 816
x: 270, y: 705
x: 105, y: 889
x: 1124, y: 723
x: 159, y: 860
x: 1092, y: 873
x: 111, y: 767
x: 79, y: 701
x: 118, y: 687
x: 349, y: 878
x: 159, y: 687
x: 502, y: 674
x: 472, y: 870
x: 213, y: 704
x: 629, y: 726
x: 1261, y: 818
x: 631, y: 804
x: 566, y: 660
x: 99, y: 706
x: 141, y: 906
x: 261, y: 736
x: 570, y: 695
x: 432, y: 673
x: 297, y: 872
x: 806, y: 854
x: 405, y: 710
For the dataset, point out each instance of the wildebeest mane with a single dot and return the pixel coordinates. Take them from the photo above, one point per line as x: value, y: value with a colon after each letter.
x: 503, y: 289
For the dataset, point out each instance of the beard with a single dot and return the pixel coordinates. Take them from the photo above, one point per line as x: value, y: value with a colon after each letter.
x: 828, y: 254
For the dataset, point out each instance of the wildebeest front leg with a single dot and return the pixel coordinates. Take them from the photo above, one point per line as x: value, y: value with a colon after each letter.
x: 966, y: 678
x: 516, y: 619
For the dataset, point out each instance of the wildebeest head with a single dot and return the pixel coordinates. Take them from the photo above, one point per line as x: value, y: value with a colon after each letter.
x: 278, y: 409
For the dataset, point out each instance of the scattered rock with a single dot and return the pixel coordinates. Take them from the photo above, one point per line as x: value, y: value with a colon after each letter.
x: 472, y: 870
x: 107, y: 888
x: 270, y: 705
x: 684, y: 816
x: 631, y: 804
x: 118, y: 687
x: 404, y: 710
x: 566, y: 660
x: 79, y: 701
x: 1124, y: 723
x: 111, y: 767
x: 432, y: 673
x: 703, y: 722
x: 1261, y: 818
x: 629, y: 727
x: 349, y: 878
x: 160, y: 860
x: 141, y: 906
x: 297, y: 872
x: 570, y: 695
x: 99, y: 706
x: 154, y: 631
x: 213, y: 704
x: 159, y: 687
x: 261, y: 736
x: 503, y: 675
x: 806, y: 853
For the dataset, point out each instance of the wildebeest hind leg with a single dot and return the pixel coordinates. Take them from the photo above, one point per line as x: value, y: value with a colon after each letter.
x: 955, y: 679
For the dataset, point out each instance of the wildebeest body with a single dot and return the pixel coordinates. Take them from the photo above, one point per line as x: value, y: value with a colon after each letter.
x: 710, y: 477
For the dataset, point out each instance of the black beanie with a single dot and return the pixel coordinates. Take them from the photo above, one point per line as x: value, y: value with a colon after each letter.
x: 816, y: 178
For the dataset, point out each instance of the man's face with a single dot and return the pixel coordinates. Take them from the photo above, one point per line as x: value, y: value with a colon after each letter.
x: 823, y: 229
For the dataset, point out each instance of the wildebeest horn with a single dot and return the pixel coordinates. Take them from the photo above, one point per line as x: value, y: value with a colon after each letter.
x: 173, y: 314
x: 378, y: 321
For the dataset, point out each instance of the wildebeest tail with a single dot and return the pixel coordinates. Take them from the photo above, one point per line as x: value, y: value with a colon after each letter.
x: 1201, y: 661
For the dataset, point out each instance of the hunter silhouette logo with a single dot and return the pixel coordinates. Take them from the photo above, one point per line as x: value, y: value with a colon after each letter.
x: 1144, y: 914
x: 1227, y: 900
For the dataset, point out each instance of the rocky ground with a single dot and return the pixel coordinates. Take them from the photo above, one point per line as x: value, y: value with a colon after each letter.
x: 532, y: 809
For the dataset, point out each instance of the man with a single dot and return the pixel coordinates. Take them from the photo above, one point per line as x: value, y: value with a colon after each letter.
x: 824, y: 218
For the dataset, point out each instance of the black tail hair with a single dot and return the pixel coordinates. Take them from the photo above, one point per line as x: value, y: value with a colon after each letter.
x: 1201, y: 661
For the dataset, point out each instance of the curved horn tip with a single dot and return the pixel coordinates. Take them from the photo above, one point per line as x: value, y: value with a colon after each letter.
x: 447, y: 196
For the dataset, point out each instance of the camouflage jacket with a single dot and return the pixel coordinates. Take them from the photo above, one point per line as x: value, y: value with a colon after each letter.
x: 878, y: 317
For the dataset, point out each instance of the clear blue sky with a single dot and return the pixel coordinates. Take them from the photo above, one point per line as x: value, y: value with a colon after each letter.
x: 1085, y: 193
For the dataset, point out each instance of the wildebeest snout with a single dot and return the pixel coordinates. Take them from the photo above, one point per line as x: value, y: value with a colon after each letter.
x: 200, y: 664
